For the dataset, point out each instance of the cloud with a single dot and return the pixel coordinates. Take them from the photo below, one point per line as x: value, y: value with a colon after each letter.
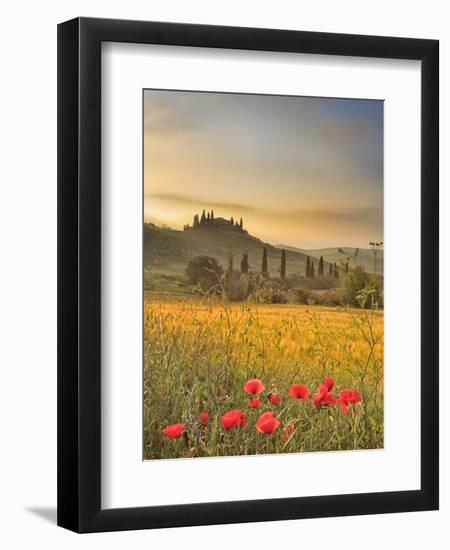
x: 162, y: 118
x: 351, y: 215
x: 338, y: 132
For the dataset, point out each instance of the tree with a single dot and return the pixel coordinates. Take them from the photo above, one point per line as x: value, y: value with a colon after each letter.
x: 331, y: 270
x: 212, y: 215
x: 232, y: 220
x: 346, y: 267
x: 283, y: 264
x: 320, y: 270
x: 230, y: 261
x: 362, y: 289
x: 308, y: 267
x: 264, y: 267
x: 335, y: 271
x: 204, y: 271
x: 313, y: 271
x: 241, y: 224
x: 196, y: 222
x: 208, y: 218
x: 203, y: 218
x: 375, y: 246
x: 244, y: 263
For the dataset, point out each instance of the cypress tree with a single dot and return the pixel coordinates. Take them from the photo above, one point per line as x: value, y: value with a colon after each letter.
x: 335, y: 271
x: 313, y: 271
x: 264, y: 267
x: 320, y: 271
x: 212, y: 215
x: 203, y: 218
x: 244, y: 263
x: 230, y: 261
x: 196, y: 222
x: 241, y: 224
x: 232, y: 220
x: 208, y: 218
x: 331, y: 270
x: 308, y: 268
x: 346, y: 267
x: 283, y: 265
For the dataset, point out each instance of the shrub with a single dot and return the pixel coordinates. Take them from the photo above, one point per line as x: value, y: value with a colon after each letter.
x: 266, y: 291
x: 361, y: 289
x: 318, y: 283
x: 236, y: 286
x: 303, y: 295
x: 204, y: 271
x: 278, y: 296
x: 329, y: 298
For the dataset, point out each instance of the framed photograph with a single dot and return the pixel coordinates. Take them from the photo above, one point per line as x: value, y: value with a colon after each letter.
x: 247, y: 275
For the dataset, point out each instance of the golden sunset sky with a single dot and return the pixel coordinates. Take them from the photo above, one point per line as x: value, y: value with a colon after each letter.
x: 302, y: 171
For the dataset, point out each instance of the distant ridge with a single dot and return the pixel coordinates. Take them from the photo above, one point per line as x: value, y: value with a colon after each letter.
x: 365, y: 256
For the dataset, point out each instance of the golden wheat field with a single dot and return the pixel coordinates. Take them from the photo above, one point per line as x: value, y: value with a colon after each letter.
x: 198, y: 358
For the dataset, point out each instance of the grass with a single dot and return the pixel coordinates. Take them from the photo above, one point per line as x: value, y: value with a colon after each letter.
x: 197, y: 357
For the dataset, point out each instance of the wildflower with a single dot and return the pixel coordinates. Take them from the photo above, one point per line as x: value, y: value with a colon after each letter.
x: 255, y: 403
x: 275, y: 399
x: 267, y: 423
x: 298, y: 391
x: 323, y: 396
x: 328, y: 399
x: 233, y: 419
x: 348, y: 397
x: 254, y: 386
x: 203, y: 418
x: 329, y: 383
x: 173, y: 431
x: 288, y: 431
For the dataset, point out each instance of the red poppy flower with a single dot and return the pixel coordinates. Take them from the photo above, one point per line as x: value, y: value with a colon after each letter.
x: 328, y: 399
x: 318, y: 396
x: 233, y: 419
x: 298, y: 391
x: 203, y: 418
x: 173, y: 431
x: 254, y: 386
x: 255, y: 403
x: 350, y: 396
x: 329, y: 383
x: 275, y: 399
x: 288, y: 431
x: 267, y: 423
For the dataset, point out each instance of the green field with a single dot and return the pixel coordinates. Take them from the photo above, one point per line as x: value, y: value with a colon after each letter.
x: 199, y: 355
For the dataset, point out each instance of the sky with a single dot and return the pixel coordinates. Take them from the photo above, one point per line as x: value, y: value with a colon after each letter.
x: 300, y: 171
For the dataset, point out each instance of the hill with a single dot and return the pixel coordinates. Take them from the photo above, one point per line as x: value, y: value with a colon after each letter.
x: 364, y: 257
x: 168, y: 251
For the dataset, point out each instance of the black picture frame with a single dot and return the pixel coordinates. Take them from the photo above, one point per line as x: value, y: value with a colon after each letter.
x: 79, y: 274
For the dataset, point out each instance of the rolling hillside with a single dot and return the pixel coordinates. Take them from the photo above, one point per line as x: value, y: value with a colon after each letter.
x: 364, y: 257
x: 168, y: 251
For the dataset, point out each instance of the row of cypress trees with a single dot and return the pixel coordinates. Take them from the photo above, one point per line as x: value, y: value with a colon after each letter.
x: 245, y: 266
x: 333, y: 271
x: 310, y: 271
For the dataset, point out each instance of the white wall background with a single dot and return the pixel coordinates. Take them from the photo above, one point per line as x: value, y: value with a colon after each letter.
x: 28, y: 270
